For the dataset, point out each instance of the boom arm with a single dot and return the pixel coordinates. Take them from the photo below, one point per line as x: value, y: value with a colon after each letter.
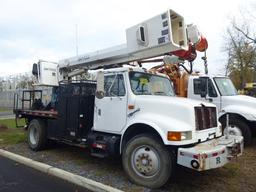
x: 164, y: 34
x: 154, y: 37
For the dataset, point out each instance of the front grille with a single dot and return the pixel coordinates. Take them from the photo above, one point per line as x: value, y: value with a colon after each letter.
x: 206, y: 117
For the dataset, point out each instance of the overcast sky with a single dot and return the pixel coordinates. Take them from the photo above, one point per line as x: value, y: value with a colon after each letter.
x: 46, y: 29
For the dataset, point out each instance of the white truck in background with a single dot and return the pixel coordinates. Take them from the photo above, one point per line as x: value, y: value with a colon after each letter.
x: 218, y: 90
x: 129, y: 112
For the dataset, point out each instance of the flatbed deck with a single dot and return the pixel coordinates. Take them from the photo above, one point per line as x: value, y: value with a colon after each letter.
x: 21, y: 113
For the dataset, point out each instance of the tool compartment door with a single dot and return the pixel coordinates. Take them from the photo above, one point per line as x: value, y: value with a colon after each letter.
x: 72, y: 116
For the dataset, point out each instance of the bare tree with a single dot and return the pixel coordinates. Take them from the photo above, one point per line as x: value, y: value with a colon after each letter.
x: 24, y: 82
x: 248, y: 19
x: 240, y: 46
x: 246, y: 34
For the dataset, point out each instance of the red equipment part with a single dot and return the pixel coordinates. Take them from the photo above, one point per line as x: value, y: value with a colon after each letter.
x: 202, y: 45
x: 189, y: 55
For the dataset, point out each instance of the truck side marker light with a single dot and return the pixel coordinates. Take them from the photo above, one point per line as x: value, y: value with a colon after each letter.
x: 198, y: 156
x: 131, y: 107
x: 99, y: 146
x: 215, y: 154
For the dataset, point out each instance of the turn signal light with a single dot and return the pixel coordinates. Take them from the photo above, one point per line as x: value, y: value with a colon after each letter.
x: 174, y: 136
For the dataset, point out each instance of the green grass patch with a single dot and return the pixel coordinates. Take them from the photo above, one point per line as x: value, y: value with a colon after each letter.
x: 10, y: 123
x: 12, y: 137
x: 4, y: 109
x: 9, y: 134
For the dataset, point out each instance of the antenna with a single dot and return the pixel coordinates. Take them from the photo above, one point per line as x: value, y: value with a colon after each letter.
x: 76, y: 40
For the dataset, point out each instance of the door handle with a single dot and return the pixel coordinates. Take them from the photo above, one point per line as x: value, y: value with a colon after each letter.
x: 99, y: 112
x: 210, y: 99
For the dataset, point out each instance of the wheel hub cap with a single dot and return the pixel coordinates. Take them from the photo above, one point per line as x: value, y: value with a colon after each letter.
x: 145, y: 161
x: 33, y: 135
x: 233, y: 130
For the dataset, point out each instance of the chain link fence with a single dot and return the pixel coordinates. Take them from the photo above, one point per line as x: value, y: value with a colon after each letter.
x: 7, y: 97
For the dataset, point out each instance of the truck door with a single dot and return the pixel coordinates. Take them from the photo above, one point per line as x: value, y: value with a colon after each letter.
x: 212, y: 95
x: 111, y: 111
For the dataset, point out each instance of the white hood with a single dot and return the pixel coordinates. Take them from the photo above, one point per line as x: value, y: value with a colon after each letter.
x: 181, y: 109
x: 240, y: 100
x: 242, y: 104
x: 171, y: 113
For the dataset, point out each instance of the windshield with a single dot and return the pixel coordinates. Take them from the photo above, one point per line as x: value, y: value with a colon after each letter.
x: 225, y: 86
x: 149, y: 84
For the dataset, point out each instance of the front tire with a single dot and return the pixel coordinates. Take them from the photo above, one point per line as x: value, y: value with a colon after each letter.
x: 147, y: 161
x: 37, y: 135
x: 239, y: 128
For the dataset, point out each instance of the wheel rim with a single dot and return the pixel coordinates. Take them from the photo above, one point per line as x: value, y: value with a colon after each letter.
x: 233, y: 130
x: 33, y: 135
x: 145, y: 161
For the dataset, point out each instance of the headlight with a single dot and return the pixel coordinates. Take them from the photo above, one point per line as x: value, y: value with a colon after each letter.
x: 179, y: 136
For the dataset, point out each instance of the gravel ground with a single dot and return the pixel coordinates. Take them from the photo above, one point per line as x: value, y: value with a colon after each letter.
x: 237, y: 176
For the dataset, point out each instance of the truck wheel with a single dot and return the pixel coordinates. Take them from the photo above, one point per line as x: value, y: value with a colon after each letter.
x: 147, y: 161
x: 37, y: 135
x: 239, y: 128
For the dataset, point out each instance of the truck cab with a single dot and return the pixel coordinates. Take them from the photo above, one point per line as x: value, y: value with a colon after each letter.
x: 137, y: 97
x: 220, y: 91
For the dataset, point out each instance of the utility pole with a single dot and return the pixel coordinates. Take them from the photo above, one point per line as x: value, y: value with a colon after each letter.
x: 76, y: 40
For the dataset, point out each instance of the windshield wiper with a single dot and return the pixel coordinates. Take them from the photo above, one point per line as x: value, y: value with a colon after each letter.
x: 159, y: 93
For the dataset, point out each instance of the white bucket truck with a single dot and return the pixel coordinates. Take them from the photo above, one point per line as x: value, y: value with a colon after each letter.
x: 128, y: 112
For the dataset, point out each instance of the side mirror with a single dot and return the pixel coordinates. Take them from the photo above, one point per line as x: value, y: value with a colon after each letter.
x: 100, y: 85
x: 203, y: 86
x: 35, y: 70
